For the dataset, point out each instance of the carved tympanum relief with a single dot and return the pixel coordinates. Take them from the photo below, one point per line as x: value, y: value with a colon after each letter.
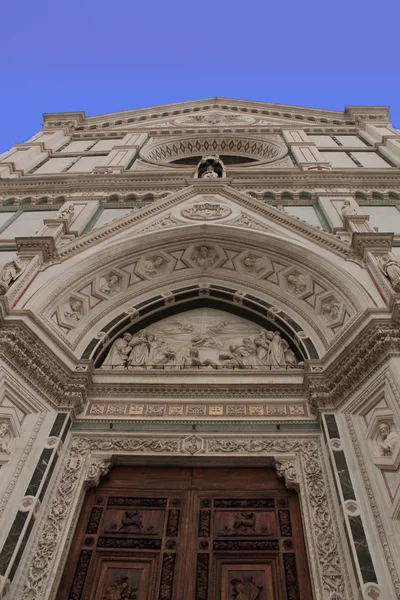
x: 201, y: 338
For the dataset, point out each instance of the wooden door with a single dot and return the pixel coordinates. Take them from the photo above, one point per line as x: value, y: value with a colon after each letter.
x: 188, y: 534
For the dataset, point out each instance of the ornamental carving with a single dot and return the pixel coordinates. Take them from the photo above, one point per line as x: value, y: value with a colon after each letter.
x: 97, y: 469
x: 10, y: 273
x: 214, y: 118
x: 319, y: 518
x: 5, y: 437
x: 202, y: 339
x: 287, y: 470
x: 206, y: 211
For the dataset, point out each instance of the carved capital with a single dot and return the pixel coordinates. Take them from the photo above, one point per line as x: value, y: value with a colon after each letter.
x: 97, y: 469
x: 287, y: 468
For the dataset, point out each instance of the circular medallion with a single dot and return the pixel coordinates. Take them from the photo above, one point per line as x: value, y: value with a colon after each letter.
x: 206, y: 211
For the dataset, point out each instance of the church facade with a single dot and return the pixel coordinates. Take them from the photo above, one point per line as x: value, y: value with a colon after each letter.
x: 200, y: 355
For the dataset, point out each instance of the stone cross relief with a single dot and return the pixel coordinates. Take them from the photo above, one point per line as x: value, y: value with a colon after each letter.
x: 201, y: 338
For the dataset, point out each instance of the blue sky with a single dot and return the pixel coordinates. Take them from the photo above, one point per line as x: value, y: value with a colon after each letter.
x: 108, y: 56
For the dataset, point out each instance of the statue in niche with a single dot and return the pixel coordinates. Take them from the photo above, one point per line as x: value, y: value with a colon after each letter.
x: 67, y: 213
x: 297, y: 282
x: 204, y: 258
x: 210, y: 167
x: 154, y: 265
x: 347, y: 209
x: 4, y: 431
x: 110, y: 285
x: 118, y: 355
x: 388, y: 439
x: 254, y: 264
x: 391, y: 268
x: 73, y: 310
x: 209, y: 173
x: 10, y: 273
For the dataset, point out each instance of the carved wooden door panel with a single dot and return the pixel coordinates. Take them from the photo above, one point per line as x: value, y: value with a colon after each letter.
x: 188, y: 534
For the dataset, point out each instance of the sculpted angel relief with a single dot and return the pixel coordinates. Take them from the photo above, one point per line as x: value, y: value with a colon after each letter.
x: 202, y: 338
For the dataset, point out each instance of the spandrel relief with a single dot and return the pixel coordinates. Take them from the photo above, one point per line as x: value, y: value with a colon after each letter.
x: 203, y: 338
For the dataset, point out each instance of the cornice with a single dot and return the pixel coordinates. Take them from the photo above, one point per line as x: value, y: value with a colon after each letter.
x: 136, y: 181
x: 329, y: 385
x: 22, y: 350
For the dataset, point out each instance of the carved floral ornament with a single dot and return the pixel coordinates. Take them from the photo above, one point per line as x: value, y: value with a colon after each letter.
x: 88, y: 458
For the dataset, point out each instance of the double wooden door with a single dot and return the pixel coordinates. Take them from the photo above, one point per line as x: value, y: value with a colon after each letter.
x: 188, y: 534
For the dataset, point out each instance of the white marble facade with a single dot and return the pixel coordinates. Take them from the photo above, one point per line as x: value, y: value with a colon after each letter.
x: 242, y: 257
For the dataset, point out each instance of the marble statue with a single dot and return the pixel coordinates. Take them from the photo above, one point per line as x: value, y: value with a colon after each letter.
x: 391, y: 268
x: 347, y: 209
x: 10, y: 273
x: 110, y: 285
x: 154, y: 265
x: 203, y: 257
x: 202, y: 338
x: 67, y: 213
x: 388, y: 439
x: 73, y: 310
x: 209, y: 173
x: 297, y: 282
x: 4, y: 431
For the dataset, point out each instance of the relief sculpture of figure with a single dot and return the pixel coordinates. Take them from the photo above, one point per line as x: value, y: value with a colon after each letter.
x: 117, y: 358
x: 110, y: 285
x: 193, y: 360
x: 254, y: 264
x: 276, y: 354
x: 161, y: 354
x: 388, y: 439
x: 204, y: 258
x: 248, y: 353
x: 298, y: 283
x: 391, y: 268
x: 140, y: 352
x: 153, y: 266
x: 233, y: 358
x: 262, y: 342
x: 10, y: 272
x: 73, y: 310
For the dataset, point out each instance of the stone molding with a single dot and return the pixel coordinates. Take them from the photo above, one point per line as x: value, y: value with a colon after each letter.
x: 39, y: 367
x: 328, y: 388
x: 89, y: 456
